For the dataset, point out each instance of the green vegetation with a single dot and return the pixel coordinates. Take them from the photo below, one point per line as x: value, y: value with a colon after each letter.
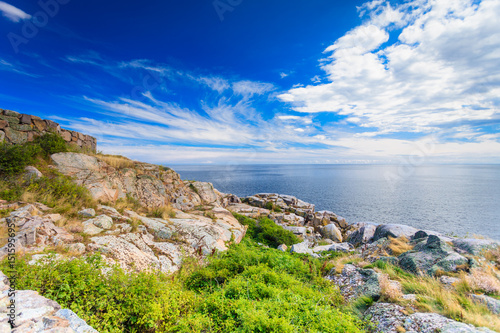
x: 14, y: 158
x: 271, y: 206
x: 54, y: 189
x: 51, y: 143
x: 267, y: 232
x: 246, y: 289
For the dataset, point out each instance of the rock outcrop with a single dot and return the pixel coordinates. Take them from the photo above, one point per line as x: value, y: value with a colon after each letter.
x: 157, y: 244
x: 152, y: 185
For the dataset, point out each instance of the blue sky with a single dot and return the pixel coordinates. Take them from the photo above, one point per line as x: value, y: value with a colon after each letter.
x: 250, y: 82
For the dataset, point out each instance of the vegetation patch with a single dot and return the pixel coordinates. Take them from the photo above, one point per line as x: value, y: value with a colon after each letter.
x: 267, y: 232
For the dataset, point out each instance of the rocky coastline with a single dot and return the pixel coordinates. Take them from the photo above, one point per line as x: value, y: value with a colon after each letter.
x: 201, y: 221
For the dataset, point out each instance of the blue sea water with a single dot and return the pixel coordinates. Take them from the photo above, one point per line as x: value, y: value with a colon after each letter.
x: 451, y: 199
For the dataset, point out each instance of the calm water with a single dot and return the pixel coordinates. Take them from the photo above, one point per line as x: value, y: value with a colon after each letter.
x: 456, y: 200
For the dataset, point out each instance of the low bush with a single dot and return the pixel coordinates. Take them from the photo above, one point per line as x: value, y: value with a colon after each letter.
x: 14, y: 158
x: 51, y: 143
x: 267, y: 232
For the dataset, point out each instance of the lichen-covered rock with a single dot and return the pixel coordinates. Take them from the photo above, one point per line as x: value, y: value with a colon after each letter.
x: 475, y: 246
x: 336, y: 247
x: 431, y: 256
x: 31, y: 173
x: 101, y: 221
x: 301, y: 248
x: 282, y: 247
x: 393, y: 318
x: 355, y: 282
x: 394, y: 231
x: 387, y: 318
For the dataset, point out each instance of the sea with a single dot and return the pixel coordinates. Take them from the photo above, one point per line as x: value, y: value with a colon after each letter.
x: 456, y: 200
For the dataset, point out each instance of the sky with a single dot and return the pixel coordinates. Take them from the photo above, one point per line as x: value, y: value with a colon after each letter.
x: 261, y: 82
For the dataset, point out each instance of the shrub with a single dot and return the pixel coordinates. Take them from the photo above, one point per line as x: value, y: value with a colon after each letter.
x: 51, y: 143
x: 111, y: 302
x: 272, y: 234
x: 14, y: 158
x: 267, y: 232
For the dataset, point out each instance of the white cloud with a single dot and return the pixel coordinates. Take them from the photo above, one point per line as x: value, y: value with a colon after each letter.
x: 7, y: 66
x: 215, y: 83
x: 442, y: 70
x: 250, y: 88
x: 13, y: 13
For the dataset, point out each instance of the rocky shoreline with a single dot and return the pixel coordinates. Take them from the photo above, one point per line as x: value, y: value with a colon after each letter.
x: 201, y: 222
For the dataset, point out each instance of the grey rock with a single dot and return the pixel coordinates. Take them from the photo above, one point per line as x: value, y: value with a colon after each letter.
x: 77, y: 247
x: 493, y: 304
x: 364, y: 233
x: 337, y: 247
x: 101, y: 221
x: 32, y: 173
x: 89, y: 212
x: 355, y: 282
x: 91, y: 229
x: 299, y: 231
x: 394, y: 230
x: 386, y: 317
x: 475, y: 246
x: 301, y: 248
x: 75, y: 322
x: 431, y: 256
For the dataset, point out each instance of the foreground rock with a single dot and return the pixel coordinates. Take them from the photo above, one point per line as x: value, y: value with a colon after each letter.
x: 393, y: 318
x: 35, y: 313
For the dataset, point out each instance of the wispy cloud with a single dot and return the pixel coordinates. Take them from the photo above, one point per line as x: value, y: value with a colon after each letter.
x: 12, y: 13
x: 7, y: 66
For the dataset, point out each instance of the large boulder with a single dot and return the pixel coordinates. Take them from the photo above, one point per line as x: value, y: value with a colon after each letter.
x: 394, y: 231
x: 206, y: 192
x: 432, y: 256
x: 331, y: 231
x: 363, y: 233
